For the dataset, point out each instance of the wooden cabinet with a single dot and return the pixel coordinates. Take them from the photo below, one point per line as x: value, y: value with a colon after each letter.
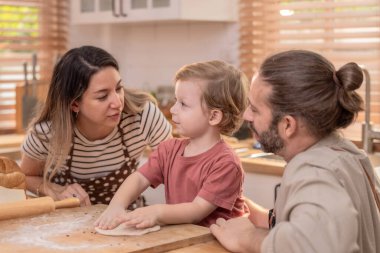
x: 124, y: 11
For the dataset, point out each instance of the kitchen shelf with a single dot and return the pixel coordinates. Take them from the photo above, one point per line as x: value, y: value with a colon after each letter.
x: 132, y: 11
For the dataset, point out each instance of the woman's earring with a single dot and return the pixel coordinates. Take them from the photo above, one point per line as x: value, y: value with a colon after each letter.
x: 76, y: 114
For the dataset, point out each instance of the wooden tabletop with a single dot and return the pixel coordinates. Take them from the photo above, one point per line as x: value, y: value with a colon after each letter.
x: 71, y: 230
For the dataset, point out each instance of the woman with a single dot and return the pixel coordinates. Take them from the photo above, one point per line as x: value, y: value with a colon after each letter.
x: 91, y: 131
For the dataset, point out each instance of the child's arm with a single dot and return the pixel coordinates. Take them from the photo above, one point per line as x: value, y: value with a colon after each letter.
x: 190, y: 212
x: 129, y: 190
x: 258, y: 214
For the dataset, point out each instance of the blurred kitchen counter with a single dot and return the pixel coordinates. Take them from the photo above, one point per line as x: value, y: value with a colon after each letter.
x: 10, y: 145
x: 252, y: 160
x: 255, y: 161
x: 354, y: 133
x: 11, y: 140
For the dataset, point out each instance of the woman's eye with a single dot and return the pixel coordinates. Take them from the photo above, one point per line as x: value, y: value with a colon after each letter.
x: 119, y: 89
x: 102, y: 98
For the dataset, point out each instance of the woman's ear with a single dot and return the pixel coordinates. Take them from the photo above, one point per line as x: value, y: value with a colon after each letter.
x: 215, y: 117
x: 75, y: 106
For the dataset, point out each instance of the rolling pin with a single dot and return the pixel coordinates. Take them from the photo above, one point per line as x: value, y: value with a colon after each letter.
x: 34, y: 206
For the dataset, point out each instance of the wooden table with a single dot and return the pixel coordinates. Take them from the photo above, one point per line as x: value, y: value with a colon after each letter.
x: 71, y: 230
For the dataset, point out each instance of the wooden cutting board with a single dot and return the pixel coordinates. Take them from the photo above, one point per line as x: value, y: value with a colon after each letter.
x: 71, y: 230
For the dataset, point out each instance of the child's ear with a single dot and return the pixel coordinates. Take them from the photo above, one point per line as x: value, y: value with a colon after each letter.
x: 215, y: 117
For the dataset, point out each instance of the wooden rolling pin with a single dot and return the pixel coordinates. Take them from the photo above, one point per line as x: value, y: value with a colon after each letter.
x: 34, y: 206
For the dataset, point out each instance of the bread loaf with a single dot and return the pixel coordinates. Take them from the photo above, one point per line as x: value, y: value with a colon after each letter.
x: 10, y: 174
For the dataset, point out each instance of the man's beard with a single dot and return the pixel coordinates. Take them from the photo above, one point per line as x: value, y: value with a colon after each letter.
x: 270, y: 140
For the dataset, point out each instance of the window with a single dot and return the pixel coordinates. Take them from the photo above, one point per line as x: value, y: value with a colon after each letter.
x: 28, y: 27
x: 341, y: 30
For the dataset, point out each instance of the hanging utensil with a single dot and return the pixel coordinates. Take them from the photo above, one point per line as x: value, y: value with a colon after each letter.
x: 34, y: 75
x: 29, y: 101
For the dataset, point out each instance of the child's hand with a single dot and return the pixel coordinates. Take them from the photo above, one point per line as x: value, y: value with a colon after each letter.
x: 143, y: 217
x: 111, y: 217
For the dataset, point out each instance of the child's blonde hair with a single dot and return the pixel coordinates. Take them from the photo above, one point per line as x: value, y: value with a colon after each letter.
x: 226, y: 90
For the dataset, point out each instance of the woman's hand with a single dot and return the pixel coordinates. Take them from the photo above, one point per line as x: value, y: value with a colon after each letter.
x: 111, y: 217
x: 33, y: 170
x: 58, y: 192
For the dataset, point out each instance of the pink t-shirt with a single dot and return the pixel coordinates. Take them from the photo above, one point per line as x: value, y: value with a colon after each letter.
x: 215, y: 175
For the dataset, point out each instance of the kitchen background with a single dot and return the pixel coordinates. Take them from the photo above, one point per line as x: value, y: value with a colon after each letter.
x: 151, y: 39
x: 150, y: 54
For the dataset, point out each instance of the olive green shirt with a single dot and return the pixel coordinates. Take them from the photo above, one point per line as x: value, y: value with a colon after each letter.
x: 325, y: 203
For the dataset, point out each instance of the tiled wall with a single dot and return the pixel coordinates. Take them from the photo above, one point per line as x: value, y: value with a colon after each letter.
x: 150, y: 54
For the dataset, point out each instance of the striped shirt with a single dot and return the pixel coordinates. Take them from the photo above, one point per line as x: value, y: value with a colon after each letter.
x: 100, y: 157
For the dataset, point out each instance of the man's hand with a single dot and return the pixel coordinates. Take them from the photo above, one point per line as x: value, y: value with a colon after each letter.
x: 237, y: 235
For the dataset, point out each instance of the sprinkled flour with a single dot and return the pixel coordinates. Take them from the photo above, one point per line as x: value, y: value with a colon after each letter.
x: 38, y: 235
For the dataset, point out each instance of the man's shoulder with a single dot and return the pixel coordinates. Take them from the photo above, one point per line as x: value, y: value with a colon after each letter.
x: 328, y: 160
x: 324, y: 155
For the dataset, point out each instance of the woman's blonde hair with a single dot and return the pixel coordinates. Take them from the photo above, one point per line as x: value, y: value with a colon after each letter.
x: 226, y: 90
x: 70, y: 79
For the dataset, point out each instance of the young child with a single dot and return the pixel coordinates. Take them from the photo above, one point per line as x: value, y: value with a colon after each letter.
x: 203, y: 177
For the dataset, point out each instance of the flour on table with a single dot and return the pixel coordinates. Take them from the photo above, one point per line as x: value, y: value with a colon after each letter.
x: 30, y: 234
x: 123, y: 230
